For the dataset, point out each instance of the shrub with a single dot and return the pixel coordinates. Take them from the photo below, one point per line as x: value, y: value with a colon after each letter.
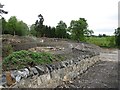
x: 23, y: 58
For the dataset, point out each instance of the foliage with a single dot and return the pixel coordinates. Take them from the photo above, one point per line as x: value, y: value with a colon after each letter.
x: 39, y: 27
x: 117, y: 37
x: 40, y: 30
x: 32, y: 30
x: 23, y: 58
x: 88, y: 32
x: 4, y: 26
x: 49, y: 31
x: 22, y: 29
x: 61, y: 30
x: 112, y: 42
x: 12, y: 25
x: 78, y: 29
x: 15, y: 27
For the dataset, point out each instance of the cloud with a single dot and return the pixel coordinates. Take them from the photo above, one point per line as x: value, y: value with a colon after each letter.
x: 100, y: 14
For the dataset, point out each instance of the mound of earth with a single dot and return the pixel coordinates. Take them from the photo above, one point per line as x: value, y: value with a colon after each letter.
x: 63, y: 49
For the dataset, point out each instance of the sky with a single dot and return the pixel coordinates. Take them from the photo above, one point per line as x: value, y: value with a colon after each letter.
x: 101, y: 15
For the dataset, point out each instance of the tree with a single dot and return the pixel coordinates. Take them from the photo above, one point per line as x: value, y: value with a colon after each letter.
x: 61, y: 30
x: 12, y: 25
x: 53, y: 34
x: 88, y: 32
x: 104, y: 35
x: 4, y: 26
x: 78, y: 29
x: 43, y: 30
x: 100, y: 35
x: 15, y: 27
x: 117, y: 37
x: 39, y: 27
x: 32, y: 30
x: 22, y: 28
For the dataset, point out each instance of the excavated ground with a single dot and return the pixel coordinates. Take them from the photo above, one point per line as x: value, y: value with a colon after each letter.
x: 104, y: 74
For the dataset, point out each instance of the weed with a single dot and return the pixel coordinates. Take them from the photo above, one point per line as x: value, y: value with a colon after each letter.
x: 23, y: 58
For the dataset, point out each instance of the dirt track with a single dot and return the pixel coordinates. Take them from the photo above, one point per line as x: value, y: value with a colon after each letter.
x: 104, y: 74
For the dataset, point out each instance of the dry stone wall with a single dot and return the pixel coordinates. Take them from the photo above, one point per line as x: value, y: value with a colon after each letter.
x: 52, y: 75
x: 53, y: 78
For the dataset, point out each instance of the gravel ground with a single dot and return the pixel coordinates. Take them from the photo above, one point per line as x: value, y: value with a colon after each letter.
x: 104, y: 74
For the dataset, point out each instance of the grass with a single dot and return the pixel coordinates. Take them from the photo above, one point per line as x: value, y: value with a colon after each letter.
x: 108, y: 42
x: 23, y: 58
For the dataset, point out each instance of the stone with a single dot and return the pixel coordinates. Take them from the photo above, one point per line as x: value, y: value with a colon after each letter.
x: 63, y: 64
x: 57, y: 72
x: 39, y: 81
x: 24, y: 73
x: 34, y: 71
x: 10, y: 81
x: 18, y: 78
x: 31, y: 73
x: 57, y: 66
x: 66, y: 63
x: 45, y: 78
x: 1, y: 87
x: 53, y: 67
x: 40, y: 70
x: 70, y: 76
x: 49, y: 68
x: 3, y: 78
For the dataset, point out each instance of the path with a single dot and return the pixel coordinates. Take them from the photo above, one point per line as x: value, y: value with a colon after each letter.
x: 104, y: 74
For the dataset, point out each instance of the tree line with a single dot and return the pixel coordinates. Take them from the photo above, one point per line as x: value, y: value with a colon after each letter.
x: 14, y: 27
x: 77, y: 29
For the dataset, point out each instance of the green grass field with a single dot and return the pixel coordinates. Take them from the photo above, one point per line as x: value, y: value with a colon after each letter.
x: 108, y: 42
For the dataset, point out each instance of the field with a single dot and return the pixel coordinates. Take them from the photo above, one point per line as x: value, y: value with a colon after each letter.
x: 108, y: 42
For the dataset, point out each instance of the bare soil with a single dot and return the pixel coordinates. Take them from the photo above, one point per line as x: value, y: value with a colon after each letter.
x: 104, y: 74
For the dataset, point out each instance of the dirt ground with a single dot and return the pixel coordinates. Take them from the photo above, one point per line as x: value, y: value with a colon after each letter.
x: 104, y: 74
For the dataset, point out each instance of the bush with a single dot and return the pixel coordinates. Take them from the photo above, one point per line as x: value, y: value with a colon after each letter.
x: 23, y: 58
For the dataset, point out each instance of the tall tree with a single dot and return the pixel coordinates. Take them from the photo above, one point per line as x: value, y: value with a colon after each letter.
x: 39, y: 27
x: 53, y: 34
x: 4, y: 26
x: 32, y: 30
x: 22, y: 28
x: 78, y: 29
x: 61, y: 29
x: 12, y: 25
x: 15, y: 27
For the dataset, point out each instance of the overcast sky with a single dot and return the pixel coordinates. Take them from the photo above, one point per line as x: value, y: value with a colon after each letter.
x: 101, y: 15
